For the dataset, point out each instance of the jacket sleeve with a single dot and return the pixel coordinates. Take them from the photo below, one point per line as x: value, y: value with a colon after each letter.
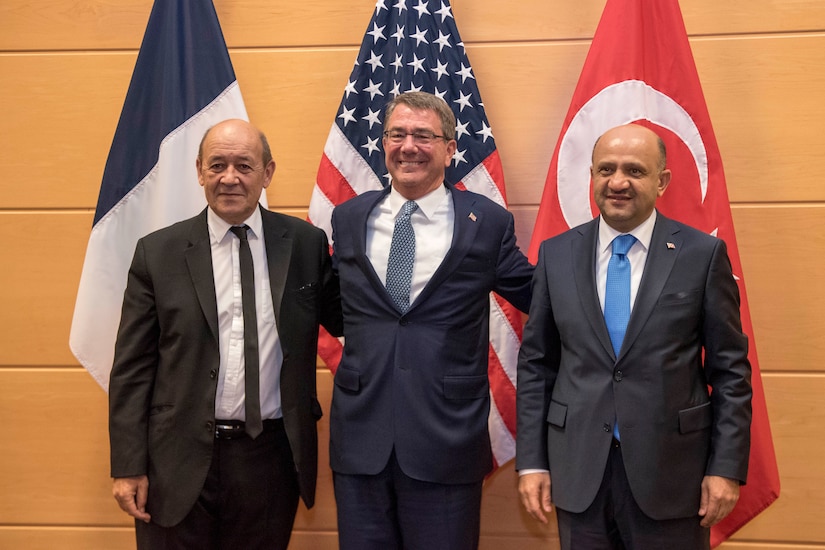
x: 538, y: 366
x: 728, y: 371
x: 133, y: 372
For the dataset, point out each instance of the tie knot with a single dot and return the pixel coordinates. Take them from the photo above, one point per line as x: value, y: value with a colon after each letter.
x: 622, y: 244
x: 408, y: 208
x: 239, y: 231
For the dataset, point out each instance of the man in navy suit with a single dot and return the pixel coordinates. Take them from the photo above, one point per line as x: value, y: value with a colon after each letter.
x: 409, y: 445
x: 641, y: 454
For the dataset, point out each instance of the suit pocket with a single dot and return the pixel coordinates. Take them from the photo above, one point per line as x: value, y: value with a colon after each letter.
x: 695, y: 418
x: 349, y: 380
x: 676, y: 298
x: 557, y: 414
x: 466, y: 387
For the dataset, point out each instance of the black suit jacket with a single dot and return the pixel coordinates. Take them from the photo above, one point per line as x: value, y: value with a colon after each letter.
x: 417, y: 383
x: 684, y: 334
x: 164, y: 379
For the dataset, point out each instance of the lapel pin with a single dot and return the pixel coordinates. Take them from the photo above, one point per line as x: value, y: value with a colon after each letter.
x: 671, y: 246
x: 472, y: 217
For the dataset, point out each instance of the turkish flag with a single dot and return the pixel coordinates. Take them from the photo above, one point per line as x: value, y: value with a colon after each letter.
x: 640, y: 69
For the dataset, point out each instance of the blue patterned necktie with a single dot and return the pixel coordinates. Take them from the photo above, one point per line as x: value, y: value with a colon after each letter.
x: 402, y: 255
x: 617, y: 296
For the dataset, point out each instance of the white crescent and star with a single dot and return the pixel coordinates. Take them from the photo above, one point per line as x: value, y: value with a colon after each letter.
x: 639, y: 101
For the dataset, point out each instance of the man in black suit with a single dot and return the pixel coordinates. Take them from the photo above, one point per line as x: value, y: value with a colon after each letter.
x: 183, y: 463
x: 641, y: 454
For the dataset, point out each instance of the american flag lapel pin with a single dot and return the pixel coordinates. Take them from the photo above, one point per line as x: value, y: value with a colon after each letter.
x: 671, y: 246
x: 472, y: 217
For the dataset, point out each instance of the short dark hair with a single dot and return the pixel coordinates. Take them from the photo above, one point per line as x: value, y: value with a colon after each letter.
x: 422, y: 101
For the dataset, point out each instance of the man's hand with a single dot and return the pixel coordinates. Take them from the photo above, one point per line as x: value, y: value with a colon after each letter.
x: 535, y: 494
x: 130, y: 494
x: 719, y: 496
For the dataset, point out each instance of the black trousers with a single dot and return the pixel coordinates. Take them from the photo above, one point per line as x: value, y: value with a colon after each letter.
x: 615, y: 522
x: 249, y: 499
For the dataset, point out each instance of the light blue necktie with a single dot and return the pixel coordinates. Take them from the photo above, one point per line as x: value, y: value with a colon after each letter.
x: 617, y: 296
x: 402, y: 255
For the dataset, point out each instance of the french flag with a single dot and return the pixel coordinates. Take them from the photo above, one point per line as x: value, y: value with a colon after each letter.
x: 183, y: 84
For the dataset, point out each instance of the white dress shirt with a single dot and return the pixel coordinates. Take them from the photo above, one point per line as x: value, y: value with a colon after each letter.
x: 229, y: 400
x: 433, y: 225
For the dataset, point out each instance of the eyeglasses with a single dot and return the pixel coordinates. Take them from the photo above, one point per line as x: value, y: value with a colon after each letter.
x: 421, y: 137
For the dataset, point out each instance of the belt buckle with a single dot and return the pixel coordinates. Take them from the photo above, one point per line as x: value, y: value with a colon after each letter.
x: 228, y: 431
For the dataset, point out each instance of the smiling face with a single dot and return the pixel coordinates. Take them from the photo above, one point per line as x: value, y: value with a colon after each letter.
x: 628, y: 175
x: 231, y: 170
x: 416, y: 169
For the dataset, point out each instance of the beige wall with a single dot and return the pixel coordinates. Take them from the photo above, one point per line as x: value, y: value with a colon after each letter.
x: 65, y: 68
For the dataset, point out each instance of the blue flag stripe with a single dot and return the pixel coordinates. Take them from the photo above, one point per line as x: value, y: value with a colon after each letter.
x: 183, y: 65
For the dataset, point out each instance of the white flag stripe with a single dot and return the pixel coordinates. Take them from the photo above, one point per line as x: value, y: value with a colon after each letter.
x: 352, y: 165
x: 169, y: 193
x: 504, y: 340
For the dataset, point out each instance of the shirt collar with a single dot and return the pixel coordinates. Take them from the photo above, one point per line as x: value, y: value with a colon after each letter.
x: 643, y: 232
x: 219, y: 228
x: 428, y: 204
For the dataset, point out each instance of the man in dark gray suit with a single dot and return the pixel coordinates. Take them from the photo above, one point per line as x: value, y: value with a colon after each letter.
x: 641, y: 454
x: 195, y: 460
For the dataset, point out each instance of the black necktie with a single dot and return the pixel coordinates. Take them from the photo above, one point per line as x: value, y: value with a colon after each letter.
x: 252, y: 400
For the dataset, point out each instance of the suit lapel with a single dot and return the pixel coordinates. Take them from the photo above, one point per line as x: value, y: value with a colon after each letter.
x: 466, y: 226
x: 358, y: 230
x: 199, y: 262
x: 278, y: 254
x: 584, y: 277
x: 660, y: 260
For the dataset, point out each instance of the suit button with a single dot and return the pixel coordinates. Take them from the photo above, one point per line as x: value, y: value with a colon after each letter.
x: 209, y: 426
x: 213, y: 374
x: 606, y: 428
x: 617, y: 376
x: 403, y: 322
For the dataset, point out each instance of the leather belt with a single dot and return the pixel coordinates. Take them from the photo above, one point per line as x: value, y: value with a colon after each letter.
x: 236, y: 429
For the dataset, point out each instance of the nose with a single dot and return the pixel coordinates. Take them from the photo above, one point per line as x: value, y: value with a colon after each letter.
x: 618, y: 180
x: 408, y: 142
x: 230, y: 176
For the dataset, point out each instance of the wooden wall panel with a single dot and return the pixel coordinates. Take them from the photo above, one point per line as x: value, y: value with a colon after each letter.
x: 777, y: 245
x: 67, y: 65
x: 64, y: 115
x: 38, y: 284
x: 27, y: 25
x: 781, y: 247
x: 764, y: 94
x: 796, y: 412
x: 54, y: 465
x: 68, y: 107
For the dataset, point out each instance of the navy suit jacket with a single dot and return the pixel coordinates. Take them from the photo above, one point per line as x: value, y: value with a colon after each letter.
x: 417, y: 382
x: 164, y: 379
x: 684, y: 334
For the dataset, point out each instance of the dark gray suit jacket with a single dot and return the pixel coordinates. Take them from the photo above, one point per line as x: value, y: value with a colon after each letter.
x: 683, y: 336
x: 165, y: 374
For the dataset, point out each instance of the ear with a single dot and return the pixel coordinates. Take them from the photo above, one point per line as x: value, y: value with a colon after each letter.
x: 452, y: 145
x: 198, y: 168
x: 664, y: 181
x: 269, y: 170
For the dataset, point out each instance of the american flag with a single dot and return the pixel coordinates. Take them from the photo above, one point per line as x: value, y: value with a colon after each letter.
x: 414, y: 45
